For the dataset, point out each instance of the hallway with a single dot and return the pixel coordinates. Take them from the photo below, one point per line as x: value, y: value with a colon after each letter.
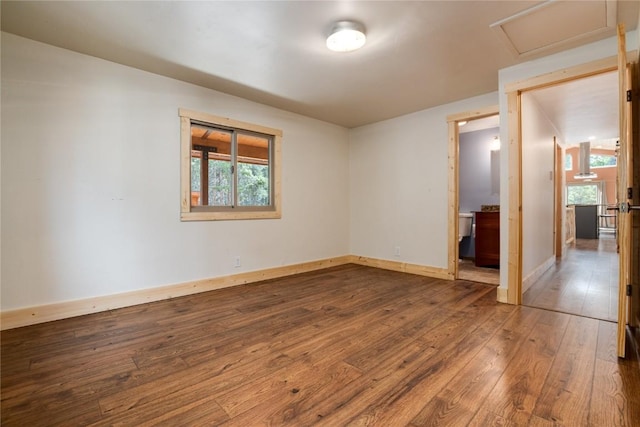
x: 584, y: 283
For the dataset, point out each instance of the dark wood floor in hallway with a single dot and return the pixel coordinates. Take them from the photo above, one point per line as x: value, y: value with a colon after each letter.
x: 350, y: 345
x: 584, y: 282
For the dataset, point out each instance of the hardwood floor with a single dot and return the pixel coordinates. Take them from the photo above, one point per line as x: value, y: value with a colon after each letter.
x: 585, y: 282
x: 468, y: 271
x: 350, y: 345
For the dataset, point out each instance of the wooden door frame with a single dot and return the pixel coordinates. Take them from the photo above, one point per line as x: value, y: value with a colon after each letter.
x: 514, y: 93
x: 634, y: 306
x: 453, y: 178
x: 558, y: 205
x: 625, y: 170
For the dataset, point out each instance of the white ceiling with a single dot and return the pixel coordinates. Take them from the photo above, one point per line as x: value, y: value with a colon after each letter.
x: 418, y: 54
x: 584, y: 110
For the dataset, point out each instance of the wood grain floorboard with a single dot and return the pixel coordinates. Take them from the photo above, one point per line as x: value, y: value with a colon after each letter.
x: 566, y: 394
x: 514, y: 396
x: 457, y: 403
x: 584, y: 282
x: 468, y: 271
x: 349, y: 345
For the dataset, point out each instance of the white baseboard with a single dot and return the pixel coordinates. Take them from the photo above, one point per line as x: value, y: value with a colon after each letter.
x: 536, y: 273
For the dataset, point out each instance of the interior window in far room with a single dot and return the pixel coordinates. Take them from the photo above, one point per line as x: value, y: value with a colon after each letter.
x: 602, y: 160
x: 588, y: 193
x: 568, y: 162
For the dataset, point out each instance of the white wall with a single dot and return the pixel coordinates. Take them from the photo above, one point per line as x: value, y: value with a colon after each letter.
x: 570, y: 58
x: 538, y: 193
x: 398, y: 185
x: 90, y: 182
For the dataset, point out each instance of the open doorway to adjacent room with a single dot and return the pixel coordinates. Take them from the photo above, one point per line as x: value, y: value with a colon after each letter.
x: 479, y: 200
x: 580, y: 275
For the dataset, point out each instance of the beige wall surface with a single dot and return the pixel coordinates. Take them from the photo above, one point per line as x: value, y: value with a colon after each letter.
x: 91, y: 175
x: 538, y: 191
x: 398, y: 185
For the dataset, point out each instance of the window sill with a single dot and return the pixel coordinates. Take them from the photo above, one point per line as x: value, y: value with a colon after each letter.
x: 228, y: 216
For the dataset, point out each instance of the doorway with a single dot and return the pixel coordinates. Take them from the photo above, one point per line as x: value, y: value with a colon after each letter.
x: 479, y: 200
x: 583, y: 114
x: 473, y: 187
x: 515, y: 225
x: 627, y: 234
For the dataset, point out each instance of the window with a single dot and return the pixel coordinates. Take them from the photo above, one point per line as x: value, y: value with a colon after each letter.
x: 602, y: 160
x: 229, y: 169
x: 568, y: 162
x: 584, y: 194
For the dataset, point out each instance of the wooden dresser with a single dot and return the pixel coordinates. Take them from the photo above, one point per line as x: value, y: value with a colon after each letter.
x: 487, y: 239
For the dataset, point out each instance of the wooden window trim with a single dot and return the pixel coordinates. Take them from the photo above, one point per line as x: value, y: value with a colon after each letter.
x: 187, y: 213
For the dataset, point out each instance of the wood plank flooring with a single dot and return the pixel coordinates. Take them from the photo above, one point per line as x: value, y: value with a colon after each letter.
x: 350, y: 345
x: 467, y: 270
x: 584, y: 282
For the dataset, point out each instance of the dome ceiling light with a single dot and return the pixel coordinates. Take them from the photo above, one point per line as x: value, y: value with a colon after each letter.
x: 346, y: 36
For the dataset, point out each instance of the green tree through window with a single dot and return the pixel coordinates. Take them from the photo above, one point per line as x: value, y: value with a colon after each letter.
x: 219, y: 182
x: 195, y: 173
x: 601, y: 160
x: 582, y: 194
x: 253, y: 184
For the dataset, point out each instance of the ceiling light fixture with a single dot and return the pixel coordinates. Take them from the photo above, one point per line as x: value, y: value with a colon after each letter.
x: 495, y: 144
x: 346, y: 36
x: 462, y: 123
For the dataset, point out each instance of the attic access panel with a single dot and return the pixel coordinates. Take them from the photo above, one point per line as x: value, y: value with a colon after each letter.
x: 555, y: 25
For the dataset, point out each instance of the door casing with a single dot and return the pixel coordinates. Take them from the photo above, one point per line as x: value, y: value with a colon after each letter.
x: 514, y: 92
x: 453, y: 178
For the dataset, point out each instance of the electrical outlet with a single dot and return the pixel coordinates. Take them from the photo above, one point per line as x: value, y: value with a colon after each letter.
x: 237, y: 263
x: 396, y: 251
